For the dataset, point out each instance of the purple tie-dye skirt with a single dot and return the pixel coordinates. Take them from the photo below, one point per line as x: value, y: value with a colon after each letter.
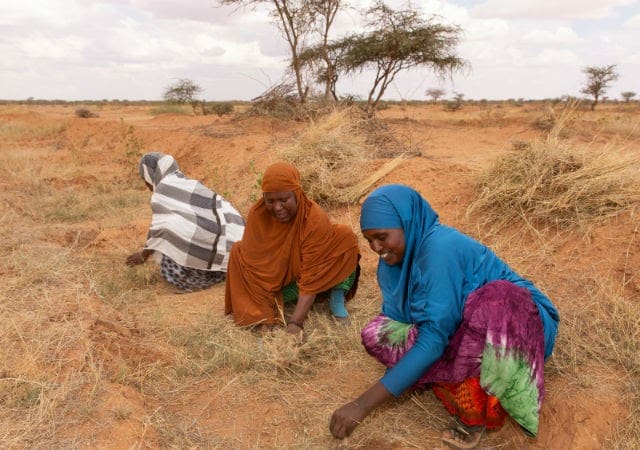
x: 500, y: 340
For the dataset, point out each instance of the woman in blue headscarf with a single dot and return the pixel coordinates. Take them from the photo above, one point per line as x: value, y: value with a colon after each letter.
x: 454, y: 317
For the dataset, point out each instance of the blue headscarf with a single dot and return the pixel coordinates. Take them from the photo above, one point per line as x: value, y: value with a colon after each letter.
x: 398, y: 206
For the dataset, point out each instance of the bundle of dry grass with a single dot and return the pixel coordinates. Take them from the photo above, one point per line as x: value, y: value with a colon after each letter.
x: 552, y: 183
x: 332, y: 156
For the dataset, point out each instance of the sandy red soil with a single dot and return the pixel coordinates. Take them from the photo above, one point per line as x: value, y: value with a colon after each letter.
x: 584, y: 408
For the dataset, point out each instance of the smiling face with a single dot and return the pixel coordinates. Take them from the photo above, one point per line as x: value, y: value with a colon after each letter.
x: 282, y: 205
x: 387, y: 242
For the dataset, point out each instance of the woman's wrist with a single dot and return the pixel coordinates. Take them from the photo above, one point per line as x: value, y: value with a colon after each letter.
x: 297, y: 323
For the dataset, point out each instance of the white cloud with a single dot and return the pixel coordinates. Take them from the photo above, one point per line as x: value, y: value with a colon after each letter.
x: 548, y: 10
x: 35, y: 10
x: 633, y: 22
x: 487, y: 29
x: 554, y: 58
x: 560, y: 37
x: 40, y: 46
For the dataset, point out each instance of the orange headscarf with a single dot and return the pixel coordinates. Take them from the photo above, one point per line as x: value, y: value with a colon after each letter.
x: 309, y: 249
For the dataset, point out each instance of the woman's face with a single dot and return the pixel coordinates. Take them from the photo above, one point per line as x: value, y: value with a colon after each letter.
x: 387, y: 242
x: 283, y: 205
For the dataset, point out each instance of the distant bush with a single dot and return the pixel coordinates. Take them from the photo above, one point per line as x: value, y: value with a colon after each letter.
x: 451, y: 105
x: 85, y: 113
x: 455, y: 104
x: 220, y: 108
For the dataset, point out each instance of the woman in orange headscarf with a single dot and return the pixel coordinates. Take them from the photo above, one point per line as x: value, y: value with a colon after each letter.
x: 289, y: 249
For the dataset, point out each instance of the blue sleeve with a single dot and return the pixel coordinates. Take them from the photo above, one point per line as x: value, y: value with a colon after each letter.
x: 413, y: 364
x: 436, y: 313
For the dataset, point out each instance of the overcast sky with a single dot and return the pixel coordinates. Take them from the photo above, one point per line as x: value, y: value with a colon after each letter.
x: 134, y: 49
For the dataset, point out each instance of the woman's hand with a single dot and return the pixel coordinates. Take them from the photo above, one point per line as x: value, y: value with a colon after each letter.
x: 346, y: 418
x: 136, y: 259
x: 294, y: 328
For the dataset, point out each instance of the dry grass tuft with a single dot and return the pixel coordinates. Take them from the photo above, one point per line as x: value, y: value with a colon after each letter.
x: 18, y: 130
x: 332, y: 155
x: 602, y: 329
x: 601, y: 326
x: 552, y: 183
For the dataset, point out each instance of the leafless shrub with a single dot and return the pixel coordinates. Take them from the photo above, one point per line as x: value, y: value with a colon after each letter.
x: 280, y: 101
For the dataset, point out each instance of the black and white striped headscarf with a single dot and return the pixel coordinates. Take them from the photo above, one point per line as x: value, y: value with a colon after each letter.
x: 191, y: 224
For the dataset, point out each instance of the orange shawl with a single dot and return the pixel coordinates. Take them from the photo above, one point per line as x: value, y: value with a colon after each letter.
x: 309, y: 249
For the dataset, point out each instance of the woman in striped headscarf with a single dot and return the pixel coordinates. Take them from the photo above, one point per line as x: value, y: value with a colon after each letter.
x: 454, y: 317
x: 192, y: 228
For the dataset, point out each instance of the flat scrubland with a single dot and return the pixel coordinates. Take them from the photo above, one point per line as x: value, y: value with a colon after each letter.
x: 94, y: 354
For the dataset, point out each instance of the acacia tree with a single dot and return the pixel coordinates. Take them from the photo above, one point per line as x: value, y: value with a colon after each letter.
x: 627, y: 95
x: 182, y: 91
x: 397, y: 40
x: 294, y: 19
x: 435, y: 94
x: 598, y: 81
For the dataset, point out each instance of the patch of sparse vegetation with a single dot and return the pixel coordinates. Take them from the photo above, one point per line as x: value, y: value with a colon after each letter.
x: 169, y: 108
x: 18, y: 130
x: 220, y: 108
x: 552, y: 183
x: 332, y: 155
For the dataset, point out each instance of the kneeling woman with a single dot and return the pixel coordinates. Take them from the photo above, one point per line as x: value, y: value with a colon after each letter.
x: 454, y: 317
x: 192, y: 227
x: 290, y: 251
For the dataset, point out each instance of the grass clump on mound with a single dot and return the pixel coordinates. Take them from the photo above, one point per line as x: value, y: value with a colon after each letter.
x: 169, y: 108
x: 332, y: 156
x: 552, y: 183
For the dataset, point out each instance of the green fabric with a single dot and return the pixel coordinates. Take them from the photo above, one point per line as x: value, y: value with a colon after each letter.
x: 290, y: 291
x: 396, y: 333
x: 347, y: 283
x: 508, y: 377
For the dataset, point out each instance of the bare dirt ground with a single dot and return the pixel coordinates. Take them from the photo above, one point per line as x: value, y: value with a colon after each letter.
x: 97, y: 355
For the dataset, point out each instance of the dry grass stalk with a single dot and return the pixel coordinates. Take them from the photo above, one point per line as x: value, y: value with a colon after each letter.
x: 332, y: 156
x: 551, y: 183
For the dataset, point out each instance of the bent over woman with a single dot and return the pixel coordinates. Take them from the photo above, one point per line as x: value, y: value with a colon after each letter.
x: 192, y: 227
x: 454, y: 317
x: 290, y: 251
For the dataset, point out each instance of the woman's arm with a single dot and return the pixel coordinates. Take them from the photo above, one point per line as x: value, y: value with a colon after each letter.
x: 303, y: 305
x: 346, y: 418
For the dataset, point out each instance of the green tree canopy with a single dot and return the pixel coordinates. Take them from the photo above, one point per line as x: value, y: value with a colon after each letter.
x: 182, y: 91
x: 627, y: 95
x: 396, y: 40
x: 599, y: 79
